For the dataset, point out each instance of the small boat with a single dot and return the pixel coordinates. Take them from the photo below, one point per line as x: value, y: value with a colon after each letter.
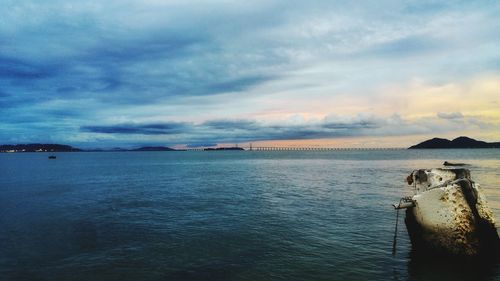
x: 449, y: 214
x: 52, y: 157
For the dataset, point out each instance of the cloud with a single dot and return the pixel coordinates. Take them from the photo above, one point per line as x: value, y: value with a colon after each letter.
x: 450, y: 115
x: 231, y: 125
x: 17, y: 69
x: 404, y: 47
x: 360, y: 121
x: 142, y: 129
x: 332, y: 126
x: 221, y: 131
x: 238, y: 84
x: 232, y: 72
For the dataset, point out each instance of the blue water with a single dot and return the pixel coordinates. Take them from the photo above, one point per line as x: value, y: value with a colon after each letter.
x: 225, y: 215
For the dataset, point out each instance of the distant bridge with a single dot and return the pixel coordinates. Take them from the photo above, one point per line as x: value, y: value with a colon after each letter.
x: 284, y: 148
x: 275, y: 148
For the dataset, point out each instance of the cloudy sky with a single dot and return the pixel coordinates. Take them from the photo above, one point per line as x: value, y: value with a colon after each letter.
x: 322, y: 73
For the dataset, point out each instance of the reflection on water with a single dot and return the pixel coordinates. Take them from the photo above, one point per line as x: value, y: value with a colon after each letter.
x: 221, y: 216
x: 428, y: 267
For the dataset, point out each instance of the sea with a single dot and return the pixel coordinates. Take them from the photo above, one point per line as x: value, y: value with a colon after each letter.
x: 223, y: 215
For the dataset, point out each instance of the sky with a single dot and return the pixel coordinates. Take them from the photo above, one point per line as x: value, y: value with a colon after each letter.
x: 287, y: 73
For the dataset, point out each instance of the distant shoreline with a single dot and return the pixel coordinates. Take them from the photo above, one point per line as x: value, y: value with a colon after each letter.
x: 38, y: 147
x: 435, y: 143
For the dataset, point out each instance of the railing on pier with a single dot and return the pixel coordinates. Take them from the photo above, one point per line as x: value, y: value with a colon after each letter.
x: 284, y: 148
x: 272, y: 148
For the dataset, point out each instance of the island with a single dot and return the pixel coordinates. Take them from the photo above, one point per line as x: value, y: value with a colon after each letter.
x: 460, y: 142
x: 38, y: 147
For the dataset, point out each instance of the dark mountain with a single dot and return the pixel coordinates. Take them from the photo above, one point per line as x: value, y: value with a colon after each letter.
x: 465, y: 142
x: 460, y: 142
x: 433, y: 143
x: 154, y: 148
x: 37, y: 147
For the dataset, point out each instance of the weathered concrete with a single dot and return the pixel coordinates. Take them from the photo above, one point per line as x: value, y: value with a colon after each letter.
x: 450, y: 213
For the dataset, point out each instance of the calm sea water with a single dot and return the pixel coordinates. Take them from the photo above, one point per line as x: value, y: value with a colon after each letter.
x: 225, y: 215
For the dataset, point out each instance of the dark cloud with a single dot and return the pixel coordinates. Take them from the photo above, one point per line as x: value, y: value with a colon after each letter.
x: 142, y: 129
x: 248, y: 130
x: 230, y: 125
x: 14, y: 69
x: 221, y: 131
x: 118, y: 70
x: 122, y: 70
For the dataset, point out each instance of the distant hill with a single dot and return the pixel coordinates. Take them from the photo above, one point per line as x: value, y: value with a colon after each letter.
x: 37, y: 147
x: 460, y: 142
x: 154, y: 148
